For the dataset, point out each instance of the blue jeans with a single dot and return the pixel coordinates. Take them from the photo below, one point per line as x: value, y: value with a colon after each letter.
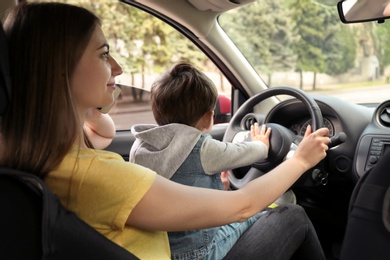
x: 222, y: 242
x: 282, y: 233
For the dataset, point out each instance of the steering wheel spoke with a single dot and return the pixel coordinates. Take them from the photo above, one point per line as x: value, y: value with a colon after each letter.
x: 236, y: 183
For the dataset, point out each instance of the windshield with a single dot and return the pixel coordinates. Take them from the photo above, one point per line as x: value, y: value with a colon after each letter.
x: 304, y: 44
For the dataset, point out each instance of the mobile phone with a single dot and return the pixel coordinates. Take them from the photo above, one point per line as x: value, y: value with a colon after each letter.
x: 107, y: 108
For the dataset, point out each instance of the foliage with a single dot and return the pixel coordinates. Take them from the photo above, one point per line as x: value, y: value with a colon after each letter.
x: 276, y: 35
x: 285, y: 35
x: 309, y: 19
x: 142, y: 44
x: 264, y: 31
x: 339, y: 45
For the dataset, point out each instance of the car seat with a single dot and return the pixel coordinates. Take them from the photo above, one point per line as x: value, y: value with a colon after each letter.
x: 33, y: 223
x: 367, y: 234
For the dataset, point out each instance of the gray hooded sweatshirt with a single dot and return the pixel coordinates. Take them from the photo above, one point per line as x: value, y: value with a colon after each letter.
x: 164, y: 149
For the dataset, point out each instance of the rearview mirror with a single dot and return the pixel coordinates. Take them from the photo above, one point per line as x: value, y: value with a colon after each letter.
x: 354, y: 11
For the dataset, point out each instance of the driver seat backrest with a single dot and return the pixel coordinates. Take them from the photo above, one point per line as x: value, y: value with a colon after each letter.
x: 367, y: 234
x: 33, y: 223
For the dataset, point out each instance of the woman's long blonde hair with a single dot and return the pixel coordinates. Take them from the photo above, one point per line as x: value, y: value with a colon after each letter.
x: 45, y: 42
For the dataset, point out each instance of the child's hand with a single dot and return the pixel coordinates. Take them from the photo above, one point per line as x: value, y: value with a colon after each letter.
x: 225, y: 180
x: 260, y: 135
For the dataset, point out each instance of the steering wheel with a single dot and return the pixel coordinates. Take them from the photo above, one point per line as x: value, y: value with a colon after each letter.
x: 282, y: 140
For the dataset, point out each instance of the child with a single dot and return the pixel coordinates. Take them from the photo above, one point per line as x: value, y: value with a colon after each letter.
x: 183, y: 102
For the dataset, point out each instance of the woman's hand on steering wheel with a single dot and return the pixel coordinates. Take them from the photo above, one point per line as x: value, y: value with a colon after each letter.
x: 313, y: 146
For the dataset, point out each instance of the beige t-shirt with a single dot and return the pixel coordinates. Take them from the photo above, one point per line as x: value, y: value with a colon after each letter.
x: 102, y: 189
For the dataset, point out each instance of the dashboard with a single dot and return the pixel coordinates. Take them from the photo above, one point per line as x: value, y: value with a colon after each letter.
x: 339, y: 116
x: 299, y: 126
x: 294, y: 115
x: 366, y: 127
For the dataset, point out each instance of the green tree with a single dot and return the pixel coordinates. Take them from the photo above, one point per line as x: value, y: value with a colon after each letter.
x: 309, y: 21
x: 339, y: 45
x: 268, y: 39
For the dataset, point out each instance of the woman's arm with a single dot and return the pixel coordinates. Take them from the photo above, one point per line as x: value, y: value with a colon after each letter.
x: 100, y: 128
x: 169, y: 206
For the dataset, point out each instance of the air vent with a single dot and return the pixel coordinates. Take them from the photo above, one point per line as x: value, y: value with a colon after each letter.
x: 248, y: 121
x: 384, y: 116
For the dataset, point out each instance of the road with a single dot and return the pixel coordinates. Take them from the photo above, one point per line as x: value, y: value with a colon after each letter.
x: 126, y: 120
x: 369, y: 94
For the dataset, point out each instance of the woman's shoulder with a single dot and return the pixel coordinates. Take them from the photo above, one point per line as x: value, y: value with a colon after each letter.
x: 97, y: 164
x: 101, y: 160
x: 91, y: 154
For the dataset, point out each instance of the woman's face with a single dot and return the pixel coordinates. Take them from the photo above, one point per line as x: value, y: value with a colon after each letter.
x: 93, y: 81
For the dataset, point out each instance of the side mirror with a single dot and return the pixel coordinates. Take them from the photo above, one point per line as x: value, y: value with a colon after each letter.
x: 355, y: 11
x: 222, y: 109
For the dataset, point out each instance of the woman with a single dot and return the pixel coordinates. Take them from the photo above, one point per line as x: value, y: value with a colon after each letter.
x: 61, y: 68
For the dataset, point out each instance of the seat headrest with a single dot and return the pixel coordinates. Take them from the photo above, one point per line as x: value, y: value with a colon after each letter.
x: 5, y: 79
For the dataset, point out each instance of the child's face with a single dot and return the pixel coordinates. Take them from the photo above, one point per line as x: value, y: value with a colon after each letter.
x: 93, y: 82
